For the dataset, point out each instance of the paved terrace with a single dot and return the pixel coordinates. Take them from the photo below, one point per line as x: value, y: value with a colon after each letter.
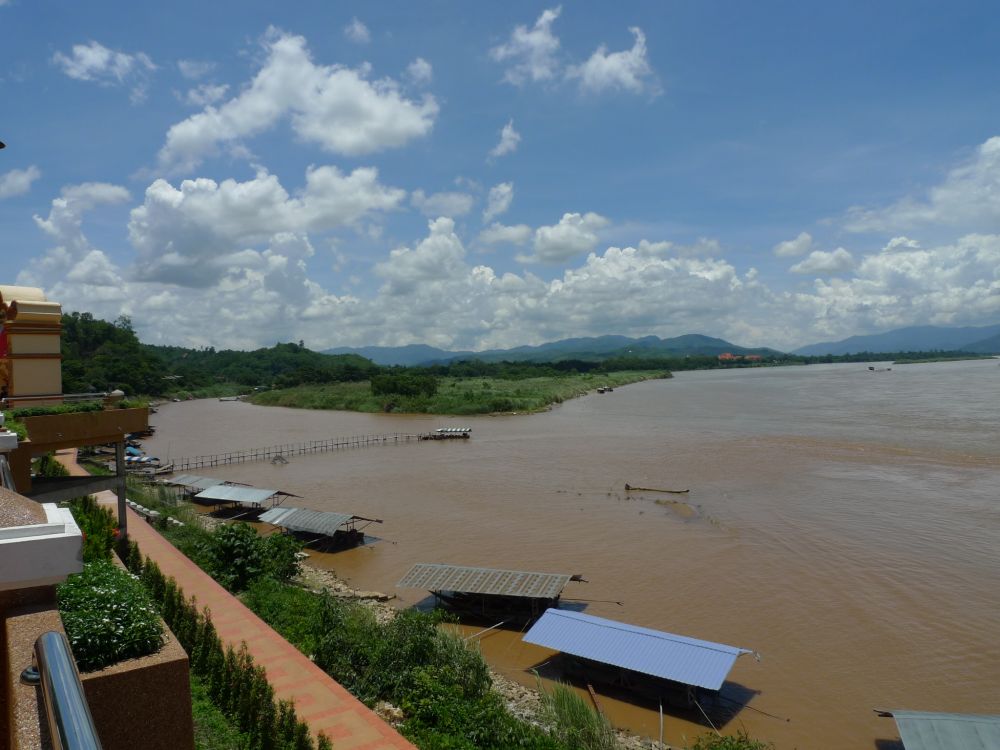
x: 319, y: 700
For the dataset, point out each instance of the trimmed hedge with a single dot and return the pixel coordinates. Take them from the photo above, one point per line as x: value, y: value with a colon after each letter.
x: 99, y: 527
x: 236, y: 685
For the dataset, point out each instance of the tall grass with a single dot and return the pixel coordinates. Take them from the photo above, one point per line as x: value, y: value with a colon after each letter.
x: 574, y: 723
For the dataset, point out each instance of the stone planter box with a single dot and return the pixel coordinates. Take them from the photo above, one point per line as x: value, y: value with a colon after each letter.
x: 83, y: 428
x: 143, y: 703
x: 136, y: 704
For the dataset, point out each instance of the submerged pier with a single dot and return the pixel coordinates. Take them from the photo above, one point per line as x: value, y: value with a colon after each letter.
x: 278, y: 453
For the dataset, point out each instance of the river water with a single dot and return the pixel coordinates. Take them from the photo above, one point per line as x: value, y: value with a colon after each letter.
x: 843, y: 523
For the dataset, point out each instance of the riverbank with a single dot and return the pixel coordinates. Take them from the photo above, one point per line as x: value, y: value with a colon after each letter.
x: 930, y: 360
x: 455, y: 396
x: 523, y: 702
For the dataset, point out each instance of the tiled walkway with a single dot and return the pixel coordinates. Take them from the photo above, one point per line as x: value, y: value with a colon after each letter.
x: 319, y: 700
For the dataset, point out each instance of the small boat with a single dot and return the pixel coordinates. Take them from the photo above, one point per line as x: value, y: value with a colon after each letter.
x: 630, y: 488
x: 448, y: 433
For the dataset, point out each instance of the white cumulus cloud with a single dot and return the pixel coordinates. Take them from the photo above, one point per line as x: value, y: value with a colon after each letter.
x: 628, y: 69
x: 335, y: 107
x: 792, y: 248
x: 575, y: 234
x: 509, y: 140
x: 968, y: 197
x: 64, y: 228
x: 497, y: 234
x: 823, y: 263
x: 195, y: 69
x: 18, y: 181
x: 442, y: 204
x: 356, y: 31
x: 531, y: 52
x: 205, y: 94
x: 420, y: 72
x: 193, y: 234
x: 99, y: 64
x: 498, y: 200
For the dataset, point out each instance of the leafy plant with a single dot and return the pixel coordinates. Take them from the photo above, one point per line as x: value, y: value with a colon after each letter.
x: 45, y: 411
x: 239, y: 555
x: 108, y: 616
x: 99, y: 527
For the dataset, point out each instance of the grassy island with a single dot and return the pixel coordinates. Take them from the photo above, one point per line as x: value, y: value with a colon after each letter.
x: 926, y: 360
x: 453, y: 395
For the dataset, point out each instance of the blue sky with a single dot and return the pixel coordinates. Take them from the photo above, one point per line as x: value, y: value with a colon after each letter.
x: 476, y: 176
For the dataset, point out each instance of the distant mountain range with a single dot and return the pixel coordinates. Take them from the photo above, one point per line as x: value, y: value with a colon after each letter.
x: 981, y: 340
x: 592, y: 348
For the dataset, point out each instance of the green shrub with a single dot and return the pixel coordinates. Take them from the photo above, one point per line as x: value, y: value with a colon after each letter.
x: 440, y: 716
x: 234, y: 683
x: 212, y: 730
x: 47, y: 466
x: 99, y: 527
x: 404, y: 384
x: 44, y: 411
x: 238, y: 555
x: 292, y: 611
x: 108, y: 616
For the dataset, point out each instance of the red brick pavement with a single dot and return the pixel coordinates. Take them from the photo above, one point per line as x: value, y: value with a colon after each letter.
x: 319, y: 700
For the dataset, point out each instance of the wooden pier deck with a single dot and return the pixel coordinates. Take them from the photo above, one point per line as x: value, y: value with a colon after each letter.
x: 290, y: 449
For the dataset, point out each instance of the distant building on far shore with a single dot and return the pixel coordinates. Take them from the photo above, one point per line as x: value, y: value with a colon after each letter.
x: 728, y: 358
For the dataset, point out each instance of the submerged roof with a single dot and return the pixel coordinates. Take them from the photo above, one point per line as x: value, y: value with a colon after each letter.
x: 435, y: 577
x: 193, y: 480
x: 301, y: 519
x: 224, y: 493
x: 653, y: 652
x: 920, y: 730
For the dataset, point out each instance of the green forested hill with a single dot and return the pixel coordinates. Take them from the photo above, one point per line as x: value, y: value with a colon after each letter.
x: 99, y: 356
x: 281, y: 365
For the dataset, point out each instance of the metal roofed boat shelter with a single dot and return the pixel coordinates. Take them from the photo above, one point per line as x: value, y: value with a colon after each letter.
x: 335, y: 529
x: 193, y: 481
x: 485, y: 591
x: 663, y: 655
x: 251, y: 498
x: 921, y: 730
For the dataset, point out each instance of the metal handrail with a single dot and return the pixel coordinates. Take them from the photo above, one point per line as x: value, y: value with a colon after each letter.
x: 64, y: 397
x: 70, y: 724
x: 6, y: 477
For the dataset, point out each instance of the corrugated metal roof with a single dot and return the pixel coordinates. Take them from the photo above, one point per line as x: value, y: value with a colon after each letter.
x: 920, y: 730
x: 435, y: 577
x: 653, y: 652
x: 193, y: 480
x: 301, y: 519
x: 224, y: 493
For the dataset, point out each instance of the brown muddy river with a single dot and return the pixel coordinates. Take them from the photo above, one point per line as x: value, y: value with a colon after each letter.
x: 843, y: 523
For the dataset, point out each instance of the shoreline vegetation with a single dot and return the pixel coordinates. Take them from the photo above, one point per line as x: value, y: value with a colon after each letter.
x: 410, y: 667
x: 99, y: 356
x: 454, y: 396
x: 930, y: 360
